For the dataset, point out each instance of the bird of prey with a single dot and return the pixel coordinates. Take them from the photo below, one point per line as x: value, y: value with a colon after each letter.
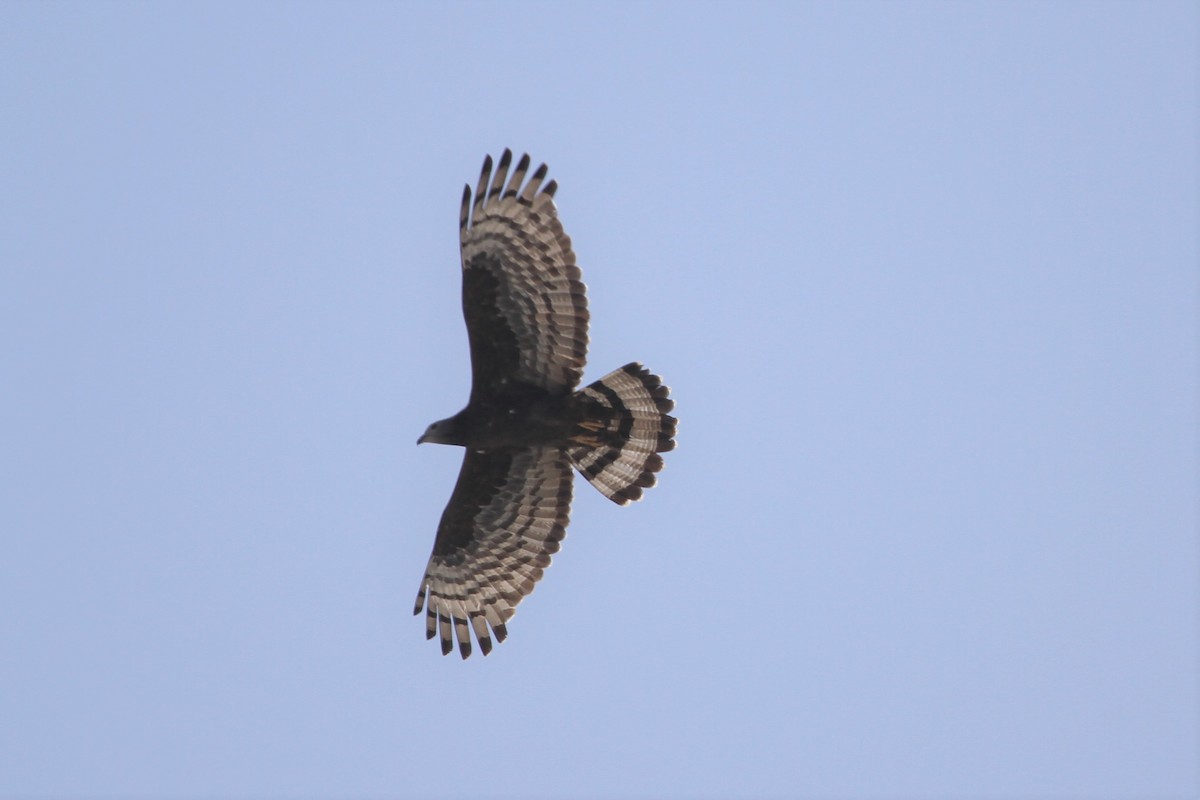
x: 525, y: 425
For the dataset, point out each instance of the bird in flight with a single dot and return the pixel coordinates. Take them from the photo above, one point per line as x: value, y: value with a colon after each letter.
x: 526, y: 426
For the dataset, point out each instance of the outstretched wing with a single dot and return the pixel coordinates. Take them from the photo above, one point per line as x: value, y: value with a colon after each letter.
x: 523, y: 298
x: 505, y: 519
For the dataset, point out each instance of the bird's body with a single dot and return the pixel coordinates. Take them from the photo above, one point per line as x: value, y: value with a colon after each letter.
x: 518, y: 416
x: 526, y: 426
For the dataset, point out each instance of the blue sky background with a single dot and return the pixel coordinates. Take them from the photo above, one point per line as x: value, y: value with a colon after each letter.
x: 922, y: 278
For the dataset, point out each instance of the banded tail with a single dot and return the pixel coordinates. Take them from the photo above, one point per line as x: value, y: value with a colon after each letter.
x: 623, y: 426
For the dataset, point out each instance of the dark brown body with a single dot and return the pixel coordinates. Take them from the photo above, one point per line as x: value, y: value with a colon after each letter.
x: 522, y: 416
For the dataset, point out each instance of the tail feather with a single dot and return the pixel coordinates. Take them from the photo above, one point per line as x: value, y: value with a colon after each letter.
x: 622, y: 426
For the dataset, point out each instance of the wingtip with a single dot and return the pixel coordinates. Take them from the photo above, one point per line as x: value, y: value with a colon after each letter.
x: 419, y: 606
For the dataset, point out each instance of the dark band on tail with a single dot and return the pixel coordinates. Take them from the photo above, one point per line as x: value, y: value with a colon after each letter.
x: 623, y: 426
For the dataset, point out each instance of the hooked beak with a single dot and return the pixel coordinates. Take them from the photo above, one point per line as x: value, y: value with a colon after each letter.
x: 427, y: 436
x: 435, y: 433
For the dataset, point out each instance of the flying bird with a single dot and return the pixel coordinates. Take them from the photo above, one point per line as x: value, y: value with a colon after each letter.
x: 526, y: 426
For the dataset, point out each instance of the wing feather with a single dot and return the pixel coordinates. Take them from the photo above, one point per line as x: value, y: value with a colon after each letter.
x: 506, y: 517
x: 524, y: 300
x: 534, y: 184
x: 485, y: 176
x: 501, y: 174
x: 518, y: 177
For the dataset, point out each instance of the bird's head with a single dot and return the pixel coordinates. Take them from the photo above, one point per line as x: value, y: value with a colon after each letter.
x: 441, y: 432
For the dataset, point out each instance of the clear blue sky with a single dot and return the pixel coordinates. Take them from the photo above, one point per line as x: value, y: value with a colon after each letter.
x: 922, y: 278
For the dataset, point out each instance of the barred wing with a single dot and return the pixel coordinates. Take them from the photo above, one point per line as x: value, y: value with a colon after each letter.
x: 523, y: 298
x: 505, y: 519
